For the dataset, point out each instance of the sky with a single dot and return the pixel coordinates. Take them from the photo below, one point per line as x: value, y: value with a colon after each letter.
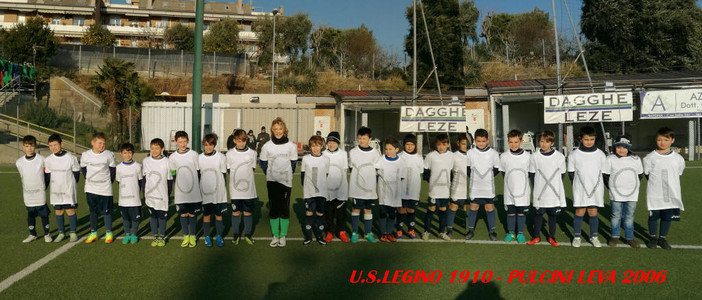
x: 386, y: 17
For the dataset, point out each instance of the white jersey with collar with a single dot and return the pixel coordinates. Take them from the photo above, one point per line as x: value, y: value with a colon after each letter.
x: 32, y: 175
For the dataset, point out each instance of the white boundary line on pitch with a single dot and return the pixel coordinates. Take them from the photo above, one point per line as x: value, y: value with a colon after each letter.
x: 36, y: 265
x: 479, y: 242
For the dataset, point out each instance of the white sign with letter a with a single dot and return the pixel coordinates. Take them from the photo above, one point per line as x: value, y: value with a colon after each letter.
x: 671, y: 104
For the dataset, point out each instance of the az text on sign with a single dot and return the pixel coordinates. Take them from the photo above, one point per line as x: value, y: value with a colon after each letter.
x: 671, y: 104
x: 433, y: 119
x: 583, y: 108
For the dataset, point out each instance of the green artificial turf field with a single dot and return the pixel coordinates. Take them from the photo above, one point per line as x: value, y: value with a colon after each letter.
x: 297, y: 271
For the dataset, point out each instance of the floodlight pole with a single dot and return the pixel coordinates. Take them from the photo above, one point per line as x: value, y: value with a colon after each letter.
x: 274, y: 12
x: 197, y: 76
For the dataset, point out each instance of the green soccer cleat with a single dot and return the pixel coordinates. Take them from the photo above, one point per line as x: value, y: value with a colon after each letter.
x: 249, y: 240
x: 354, y: 237
x: 521, y: 239
x: 370, y: 238
x: 161, y: 242
x: 509, y: 237
x: 154, y: 243
x: 133, y: 239
x: 59, y: 238
x: 126, y: 239
x: 91, y: 238
x: 193, y: 241
x: 236, y: 240
x: 73, y: 237
x: 186, y: 241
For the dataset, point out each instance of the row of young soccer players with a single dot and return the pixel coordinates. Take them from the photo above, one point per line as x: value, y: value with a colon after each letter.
x: 397, y: 188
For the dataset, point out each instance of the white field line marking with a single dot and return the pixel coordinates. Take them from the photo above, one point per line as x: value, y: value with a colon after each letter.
x: 38, y: 264
x: 479, y: 242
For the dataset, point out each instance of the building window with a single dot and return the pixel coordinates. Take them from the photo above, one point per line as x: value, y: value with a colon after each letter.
x: 164, y: 22
x: 115, y: 21
x: 247, y: 27
x: 135, y: 22
x: 56, y: 20
x: 80, y: 21
x: 184, y: 22
x: 135, y: 43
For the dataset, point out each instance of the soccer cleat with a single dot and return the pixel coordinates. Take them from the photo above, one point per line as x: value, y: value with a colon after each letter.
x: 59, y: 238
x: 493, y: 236
x: 220, y: 241
x: 236, y: 240
x: 30, y: 238
x: 509, y: 237
x: 425, y: 235
x: 161, y: 241
x: 632, y: 243
x: 193, y: 241
x: 186, y: 241
x: 391, y: 238
x: 274, y: 242
x: 109, y: 238
x: 354, y: 237
x: 384, y: 238
x: 412, y: 234
x: 91, y: 238
x: 343, y: 237
x: 249, y: 240
x: 576, y: 242
x: 133, y: 239
x: 307, y: 241
x: 126, y: 239
x: 652, y: 243
x: 208, y: 241
x: 73, y: 237
x: 469, y: 235
x: 371, y: 238
x: 47, y: 238
x: 154, y: 243
x: 553, y: 242
x: 329, y: 237
x: 520, y: 238
x: 444, y: 236
x: 282, y: 242
x: 534, y: 241
x: 321, y: 241
x: 398, y: 234
x: 613, y: 241
x: 595, y: 242
x: 664, y: 244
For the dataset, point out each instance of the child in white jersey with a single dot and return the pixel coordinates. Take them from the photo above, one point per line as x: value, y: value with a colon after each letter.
x: 98, y: 167
x: 459, y: 183
x: 129, y: 176
x: 391, y: 172
x: 547, y: 170
x: 213, y: 178
x: 338, y: 185
x: 313, y: 176
x: 514, y: 165
x: 622, y: 177
x: 363, y: 185
x: 241, y: 162
x: 63, y: 171
x: 663, y: 168
x: 185, y: 167
x: 484, y: 165
x: 411, y: 186
x: 31, y: 171
x: 585, y: 166
x: 437, y: 171
x: 278, y: 160
x: 158, y: 183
